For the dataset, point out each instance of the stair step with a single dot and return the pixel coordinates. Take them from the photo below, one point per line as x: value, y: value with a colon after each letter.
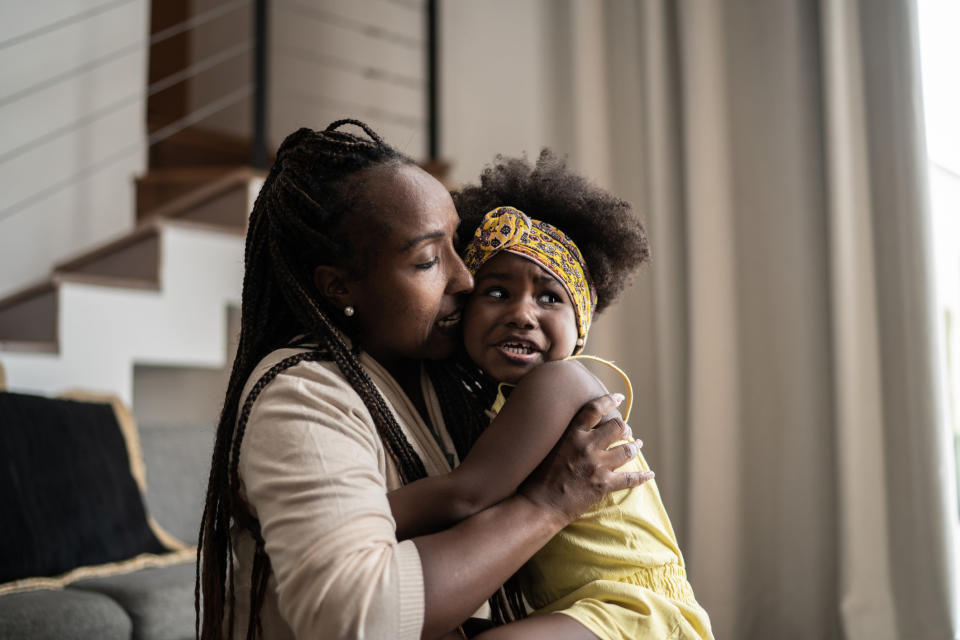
x: 222, y: 200
x: 79, y: 329
x: 160, y: 186
x: 197, y: 145
x: 130, y: 260
x: 28, y: 318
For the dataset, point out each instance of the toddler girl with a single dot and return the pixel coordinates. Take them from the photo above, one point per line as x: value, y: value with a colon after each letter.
x: 616, y: 571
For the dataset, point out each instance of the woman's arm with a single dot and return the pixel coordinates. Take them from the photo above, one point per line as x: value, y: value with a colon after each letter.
x: 464, y: 565
x: 310, y: 472
x: 516, y: 441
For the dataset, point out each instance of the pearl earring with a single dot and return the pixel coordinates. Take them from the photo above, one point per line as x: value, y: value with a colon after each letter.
x: 348, y: 311
x: 579, y: 342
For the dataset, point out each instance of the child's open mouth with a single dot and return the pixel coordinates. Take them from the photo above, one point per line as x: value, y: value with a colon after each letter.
x: 518, y: 350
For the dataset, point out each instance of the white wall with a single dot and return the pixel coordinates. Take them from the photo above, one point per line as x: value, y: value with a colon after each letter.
x: 72, y: 74
x: 336, y: 59
x: 495, y: 81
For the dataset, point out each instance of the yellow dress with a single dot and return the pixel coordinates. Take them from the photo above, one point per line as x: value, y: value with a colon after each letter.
x: 617, y: 569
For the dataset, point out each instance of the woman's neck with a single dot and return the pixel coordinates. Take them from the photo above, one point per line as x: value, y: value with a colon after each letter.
x: 407, y: 375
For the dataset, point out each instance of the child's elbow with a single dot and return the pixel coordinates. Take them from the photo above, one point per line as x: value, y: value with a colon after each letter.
x: 467, y: 501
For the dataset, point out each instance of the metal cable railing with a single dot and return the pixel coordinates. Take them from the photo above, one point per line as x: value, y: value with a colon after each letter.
x: 199, y: 67
x: 343, y: 63
x: 198, y: 114
x: 197, y: 20
x: 305, y: 10
x: 65, y: 22
x: 250, y: 92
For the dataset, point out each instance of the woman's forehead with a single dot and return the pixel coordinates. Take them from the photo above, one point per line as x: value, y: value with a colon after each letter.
x: 407, y: 203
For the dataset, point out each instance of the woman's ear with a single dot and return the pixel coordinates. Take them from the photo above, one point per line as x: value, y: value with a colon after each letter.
x: 332, y: 283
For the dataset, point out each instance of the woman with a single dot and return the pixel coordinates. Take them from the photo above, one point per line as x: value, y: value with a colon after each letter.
x: 351, y: 282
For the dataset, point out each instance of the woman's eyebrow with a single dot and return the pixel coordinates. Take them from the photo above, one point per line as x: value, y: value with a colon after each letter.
x: 412, y: 242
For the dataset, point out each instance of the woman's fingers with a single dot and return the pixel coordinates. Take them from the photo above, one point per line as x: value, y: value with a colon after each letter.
x: 610, y: 431
x: 590, y: 415
x: 616, y: 457
x: 629, y: 479
x: 580, y: 469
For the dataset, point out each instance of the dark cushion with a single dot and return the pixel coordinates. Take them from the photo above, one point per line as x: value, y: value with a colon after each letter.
x: 67, y: 496
x: 159, y: 601
x: 56, y: 614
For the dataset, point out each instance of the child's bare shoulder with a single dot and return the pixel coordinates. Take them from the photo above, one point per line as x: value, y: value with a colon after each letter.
x: 563, y: 376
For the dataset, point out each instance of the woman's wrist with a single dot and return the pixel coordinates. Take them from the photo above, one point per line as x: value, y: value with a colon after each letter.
x: 544, y: 511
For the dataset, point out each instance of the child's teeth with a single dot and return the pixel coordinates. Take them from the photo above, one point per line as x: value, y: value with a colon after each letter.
x: 519, y: 349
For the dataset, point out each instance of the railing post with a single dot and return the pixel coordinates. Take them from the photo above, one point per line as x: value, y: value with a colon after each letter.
x: 259, y: 139
x: 433, y: 107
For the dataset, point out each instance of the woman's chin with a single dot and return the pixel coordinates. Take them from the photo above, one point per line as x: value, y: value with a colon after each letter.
x: 440, y: 346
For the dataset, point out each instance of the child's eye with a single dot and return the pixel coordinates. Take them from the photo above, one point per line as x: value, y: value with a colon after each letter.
x: 496, y: 292
x: 427, y: 265
x: 548, y: 297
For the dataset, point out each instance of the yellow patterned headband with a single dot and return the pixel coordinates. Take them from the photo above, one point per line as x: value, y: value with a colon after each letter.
x: 508, y: 229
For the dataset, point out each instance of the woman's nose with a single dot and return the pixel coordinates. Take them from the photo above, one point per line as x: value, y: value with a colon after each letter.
x: 460, y: 281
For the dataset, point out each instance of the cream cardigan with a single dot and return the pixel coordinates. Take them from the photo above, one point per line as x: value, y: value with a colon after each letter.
x: 315, y: 475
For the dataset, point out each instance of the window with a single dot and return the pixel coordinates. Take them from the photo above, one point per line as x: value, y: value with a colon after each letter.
x: 940, y: 54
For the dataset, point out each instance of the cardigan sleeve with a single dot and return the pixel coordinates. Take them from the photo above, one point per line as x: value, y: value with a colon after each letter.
x: 312, y: 470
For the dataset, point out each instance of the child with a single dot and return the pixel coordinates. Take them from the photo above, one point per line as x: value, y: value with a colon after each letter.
x: 616, y: 571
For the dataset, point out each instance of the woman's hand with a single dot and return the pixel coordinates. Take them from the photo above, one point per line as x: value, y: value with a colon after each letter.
x: 579, y: 471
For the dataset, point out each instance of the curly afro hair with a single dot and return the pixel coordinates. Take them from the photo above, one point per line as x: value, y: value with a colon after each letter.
x: 611, y: 239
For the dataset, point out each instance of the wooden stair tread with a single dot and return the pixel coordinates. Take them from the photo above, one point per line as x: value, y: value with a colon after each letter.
x: 24, y: 346
x: 29, y: 316
x: 213, y: 193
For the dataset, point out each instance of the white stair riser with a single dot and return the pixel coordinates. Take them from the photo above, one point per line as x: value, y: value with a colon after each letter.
x: 104, y: 331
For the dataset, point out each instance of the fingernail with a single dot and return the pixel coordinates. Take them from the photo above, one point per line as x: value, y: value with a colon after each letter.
x: 639, y: 442
x: 648, y: 475
x: 618, y: 398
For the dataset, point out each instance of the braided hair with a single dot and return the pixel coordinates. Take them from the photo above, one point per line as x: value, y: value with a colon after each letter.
x: 300, y: 218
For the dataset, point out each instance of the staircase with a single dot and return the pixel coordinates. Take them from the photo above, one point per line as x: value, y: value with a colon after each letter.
x: 158, y: 295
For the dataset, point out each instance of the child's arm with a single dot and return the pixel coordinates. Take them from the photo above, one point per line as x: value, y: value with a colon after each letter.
x: 518, y: 439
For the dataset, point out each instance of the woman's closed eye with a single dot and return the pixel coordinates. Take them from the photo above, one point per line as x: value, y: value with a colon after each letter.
x: 429, y: 264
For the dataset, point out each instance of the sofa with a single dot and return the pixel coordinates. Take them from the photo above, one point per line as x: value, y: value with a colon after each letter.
x: 90, y: 548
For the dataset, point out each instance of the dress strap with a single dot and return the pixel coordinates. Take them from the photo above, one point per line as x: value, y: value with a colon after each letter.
x: 620, y: 372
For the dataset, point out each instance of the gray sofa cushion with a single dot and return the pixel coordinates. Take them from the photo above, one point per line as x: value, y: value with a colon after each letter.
x: 56, y: 614
x: 178, y: 465
x: 159, y: 601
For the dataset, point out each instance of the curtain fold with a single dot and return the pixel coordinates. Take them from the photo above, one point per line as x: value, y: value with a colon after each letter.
x: 921, y: 497
x: 781, y: 340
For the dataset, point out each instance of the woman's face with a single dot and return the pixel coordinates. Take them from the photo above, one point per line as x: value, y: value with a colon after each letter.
x: 408, y: 303
x: 518, y: 316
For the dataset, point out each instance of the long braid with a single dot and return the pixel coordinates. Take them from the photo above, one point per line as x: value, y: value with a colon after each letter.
x: 296, y: 218
x: 408, y: 463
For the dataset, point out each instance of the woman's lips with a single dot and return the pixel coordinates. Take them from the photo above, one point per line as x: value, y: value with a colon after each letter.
x: 451, y: 320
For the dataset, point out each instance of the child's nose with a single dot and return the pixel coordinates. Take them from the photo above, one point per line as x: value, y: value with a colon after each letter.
x: 522, y: 314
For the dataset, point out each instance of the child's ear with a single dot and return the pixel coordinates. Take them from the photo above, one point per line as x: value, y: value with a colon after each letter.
x: 333, y: 284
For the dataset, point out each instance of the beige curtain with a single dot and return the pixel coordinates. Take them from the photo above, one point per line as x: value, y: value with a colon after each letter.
x: 782, y: 339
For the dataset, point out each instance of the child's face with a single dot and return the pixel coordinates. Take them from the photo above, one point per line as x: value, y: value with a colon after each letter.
x: 518, y: 316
